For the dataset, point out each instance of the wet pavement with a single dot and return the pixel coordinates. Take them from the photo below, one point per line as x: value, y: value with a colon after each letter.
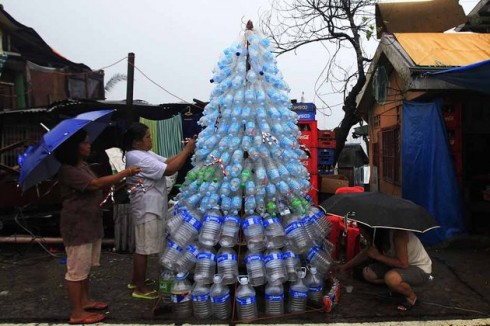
x: 32, y: 290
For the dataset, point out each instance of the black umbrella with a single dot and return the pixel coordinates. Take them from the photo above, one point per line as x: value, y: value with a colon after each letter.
x: 379, y: 210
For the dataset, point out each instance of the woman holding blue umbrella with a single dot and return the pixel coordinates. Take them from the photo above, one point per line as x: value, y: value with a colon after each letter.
x: 81, y: 222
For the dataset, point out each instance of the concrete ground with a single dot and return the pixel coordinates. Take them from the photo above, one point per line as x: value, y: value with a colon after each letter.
x: 32, y: 291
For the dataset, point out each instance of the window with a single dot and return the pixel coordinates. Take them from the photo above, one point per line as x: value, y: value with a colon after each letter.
x: 390, y: 155
x: 377, y: 121
x: 14, y: 132
x: 7, y: 96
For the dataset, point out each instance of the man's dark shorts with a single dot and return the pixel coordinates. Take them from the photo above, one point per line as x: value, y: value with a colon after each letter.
x: 412, y: 274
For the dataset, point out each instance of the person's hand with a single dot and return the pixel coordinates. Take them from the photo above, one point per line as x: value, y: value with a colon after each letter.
x: 190, y: 145
x: 133, y: 170
x: 373, y: 252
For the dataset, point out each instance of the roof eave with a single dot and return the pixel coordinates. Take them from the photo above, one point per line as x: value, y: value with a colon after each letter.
x: 413, y: 76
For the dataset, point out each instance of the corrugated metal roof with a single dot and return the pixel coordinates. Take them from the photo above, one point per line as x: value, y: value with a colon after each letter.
x: 445, y: 49
x: 21, y: 111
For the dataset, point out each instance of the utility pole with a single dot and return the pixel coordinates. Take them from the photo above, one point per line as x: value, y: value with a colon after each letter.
x: 131, y: 116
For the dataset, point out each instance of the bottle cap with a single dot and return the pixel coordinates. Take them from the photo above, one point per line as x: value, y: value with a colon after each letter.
x: 243, y: 280
x: 217, y: 278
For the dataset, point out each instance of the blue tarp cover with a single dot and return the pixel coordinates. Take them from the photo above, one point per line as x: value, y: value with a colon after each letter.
x: 475, y: 76
x: 429, y: 178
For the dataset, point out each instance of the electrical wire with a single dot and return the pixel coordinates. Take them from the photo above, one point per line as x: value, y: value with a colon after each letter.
x: 34, y: 237
x: 20, y: 215
x: 162, y: 88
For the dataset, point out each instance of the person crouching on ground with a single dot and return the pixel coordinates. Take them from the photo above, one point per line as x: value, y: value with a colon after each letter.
x: 81, y: 222
x: 148, y: 200
x: 400, y: 262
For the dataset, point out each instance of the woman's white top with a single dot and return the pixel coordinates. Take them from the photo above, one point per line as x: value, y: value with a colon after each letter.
x: 148, y: 188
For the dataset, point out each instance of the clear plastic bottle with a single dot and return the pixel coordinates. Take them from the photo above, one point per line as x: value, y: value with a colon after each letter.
x: 274, y: 266
x: 254, y: 261
x: 175, y: 220
x: 211, y: 228
x: 320, y: 259
x: 220, y: 298
x: 274, y: 299
x: 315, y: 288
x: 181, y: 296
x: 311, y: 230
x: 272, y: 171
x: 166, y: 280
x: 292, y: 263
x: 253, y: 230
x: 287, y: 217
x: 188, y: 230
x: 250, y: 204
x: 227, y: 265
x: 205, y: 265
x: 274, y: 233
x: 170, y: 255
x: 230, y: 230
x: 246, y: 300
x: 298, y: 237
x: 187, y: 260
x: 201, y: 301
x: 320, y: 221
x: 298, y: 294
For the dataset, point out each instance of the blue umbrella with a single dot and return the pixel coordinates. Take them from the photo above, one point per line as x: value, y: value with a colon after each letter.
x: 39, y: 163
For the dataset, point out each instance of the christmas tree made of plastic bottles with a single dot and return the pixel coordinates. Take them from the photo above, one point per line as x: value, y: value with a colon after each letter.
x: 248, y: 174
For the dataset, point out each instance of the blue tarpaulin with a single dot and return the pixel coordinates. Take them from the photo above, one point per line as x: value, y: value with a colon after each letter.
x: 475, y: 76
x: 428, y: 174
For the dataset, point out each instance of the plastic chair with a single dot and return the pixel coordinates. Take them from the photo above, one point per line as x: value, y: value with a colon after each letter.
x: 343, y: 190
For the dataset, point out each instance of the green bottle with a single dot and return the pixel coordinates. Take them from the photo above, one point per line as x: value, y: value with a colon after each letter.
x: 165, y: 285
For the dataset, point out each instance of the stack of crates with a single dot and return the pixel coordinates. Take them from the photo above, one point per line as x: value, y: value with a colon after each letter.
x: 452, y: 117
x: 309, y: 138
x: 326, y: 151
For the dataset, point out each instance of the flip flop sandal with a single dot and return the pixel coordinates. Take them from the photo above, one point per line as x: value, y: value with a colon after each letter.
x: 91, y: 319
x: 407, y: 305
x: 390, y: 295
x: 148, y: 281
x: 97, y: 306
x: 152, y: 295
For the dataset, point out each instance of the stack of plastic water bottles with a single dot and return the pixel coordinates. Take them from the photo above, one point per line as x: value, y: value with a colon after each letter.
x: 249, y: 188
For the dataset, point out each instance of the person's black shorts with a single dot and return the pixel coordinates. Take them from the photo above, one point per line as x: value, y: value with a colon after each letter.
x: 412, y: 274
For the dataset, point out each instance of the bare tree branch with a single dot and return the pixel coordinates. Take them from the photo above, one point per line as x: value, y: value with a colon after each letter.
x: 345, y: 24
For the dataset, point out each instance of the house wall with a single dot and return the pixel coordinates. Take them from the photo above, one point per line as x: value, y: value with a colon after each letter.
x: 384, y: 116
x: 47, y: 87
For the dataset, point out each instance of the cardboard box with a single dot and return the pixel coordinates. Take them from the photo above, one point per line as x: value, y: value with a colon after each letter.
x: 330, y: 183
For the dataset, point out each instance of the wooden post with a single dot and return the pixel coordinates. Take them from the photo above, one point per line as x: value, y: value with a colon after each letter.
x: 131, y: 116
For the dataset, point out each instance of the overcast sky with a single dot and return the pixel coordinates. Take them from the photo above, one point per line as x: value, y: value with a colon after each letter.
x: 176, y: 43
